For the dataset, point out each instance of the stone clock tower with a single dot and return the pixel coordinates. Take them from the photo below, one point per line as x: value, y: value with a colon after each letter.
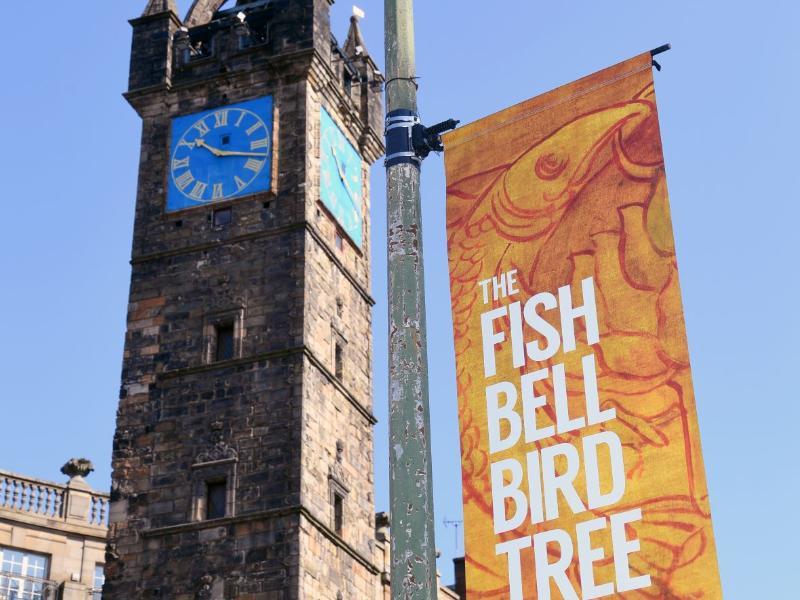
x: 243, y: 454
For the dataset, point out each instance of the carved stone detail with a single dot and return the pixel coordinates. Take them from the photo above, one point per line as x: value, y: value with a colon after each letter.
x: 77, y: 467
x: 336, y: 470
x: 204, y: 593
x: 217, y: 452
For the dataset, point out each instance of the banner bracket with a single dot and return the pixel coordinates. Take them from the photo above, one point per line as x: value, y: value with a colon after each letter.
x: 409, y: 141
x: 656, y: 51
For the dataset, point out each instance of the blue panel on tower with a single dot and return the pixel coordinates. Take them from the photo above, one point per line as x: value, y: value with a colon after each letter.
x: 341, y: 178
x: 221, y: 154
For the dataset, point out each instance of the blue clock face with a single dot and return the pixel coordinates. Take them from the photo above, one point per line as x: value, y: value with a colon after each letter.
x: 340, y: 178
x: 220, y: 154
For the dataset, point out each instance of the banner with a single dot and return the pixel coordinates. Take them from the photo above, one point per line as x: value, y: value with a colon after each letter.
x: 581, y: 463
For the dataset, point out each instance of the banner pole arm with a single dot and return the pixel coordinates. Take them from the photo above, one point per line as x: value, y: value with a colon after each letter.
x: 660, y: 49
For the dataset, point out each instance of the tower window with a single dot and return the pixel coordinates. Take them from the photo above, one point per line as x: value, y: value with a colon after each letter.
x: 225, y: 341
x: 338, y: 360
x: 213, y: 479
x: 222, y: 217
x: 348, y: 82
x: 223, y: 335
x: 339, y: 241
x: 216, y: 499
x: 338, y: 512
x: 339, y: 345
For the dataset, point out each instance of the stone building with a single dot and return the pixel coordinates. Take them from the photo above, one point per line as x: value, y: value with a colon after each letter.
x: 52, y: 537
x: 243, y: 454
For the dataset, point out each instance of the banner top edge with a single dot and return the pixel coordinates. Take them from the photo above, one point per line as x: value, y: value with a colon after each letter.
x: 546, y: 100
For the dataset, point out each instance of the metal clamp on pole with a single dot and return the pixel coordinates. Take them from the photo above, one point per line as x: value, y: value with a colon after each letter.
x: 429, y: 139
x: 409, y: 141
x: 399, y: 138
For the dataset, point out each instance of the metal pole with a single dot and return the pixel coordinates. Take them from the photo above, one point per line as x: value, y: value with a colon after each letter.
x: 413, y: 551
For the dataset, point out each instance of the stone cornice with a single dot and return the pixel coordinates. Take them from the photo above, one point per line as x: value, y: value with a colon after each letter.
x: 16, y: 518
x: 294, y: 58
x: 314, y: 232
x: 296, y: 510
x: 141, y: 97
x: 248, y: 360
x: 306, y: 225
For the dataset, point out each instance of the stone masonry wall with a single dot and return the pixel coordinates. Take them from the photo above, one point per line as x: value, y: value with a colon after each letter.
x: 275, y: 421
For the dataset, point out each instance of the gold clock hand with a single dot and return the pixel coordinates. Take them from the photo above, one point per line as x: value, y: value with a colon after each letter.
x: 349, y: 191
x: 342, y: 177
x: 235, y: 153
x: 199, y: 143
x: 218, y: 152
x: 338, y: 165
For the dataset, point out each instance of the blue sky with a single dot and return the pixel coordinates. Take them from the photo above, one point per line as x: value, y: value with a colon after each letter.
x: 728, y: 103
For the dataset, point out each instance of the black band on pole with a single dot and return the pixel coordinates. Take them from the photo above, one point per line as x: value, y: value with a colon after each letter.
x: 399, y: 139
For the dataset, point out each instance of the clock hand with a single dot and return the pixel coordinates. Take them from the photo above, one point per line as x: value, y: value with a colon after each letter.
x: 338, y: 165
x: 199, y: 143
x: 349, y: 191
x: 235, y: 153
x: 342, y: 177
x: 217, y: 152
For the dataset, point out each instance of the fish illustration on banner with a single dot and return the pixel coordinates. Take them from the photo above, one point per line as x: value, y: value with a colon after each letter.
x: 582, y: 469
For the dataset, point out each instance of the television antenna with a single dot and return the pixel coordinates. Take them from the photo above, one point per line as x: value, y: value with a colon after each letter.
x: 455, y: 525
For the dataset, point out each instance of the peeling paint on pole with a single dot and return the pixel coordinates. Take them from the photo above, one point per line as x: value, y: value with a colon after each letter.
x: 413, y: 552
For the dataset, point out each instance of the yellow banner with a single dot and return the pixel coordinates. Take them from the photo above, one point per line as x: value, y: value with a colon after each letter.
x: 581, y: 463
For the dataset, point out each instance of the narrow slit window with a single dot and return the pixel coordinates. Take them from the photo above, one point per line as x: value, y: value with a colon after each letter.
x: 216, y: 499
x: 339, y: 241
x: 348, y: 82
x: 225, y: 341
x: 338, y: 360
x: 338, y: 513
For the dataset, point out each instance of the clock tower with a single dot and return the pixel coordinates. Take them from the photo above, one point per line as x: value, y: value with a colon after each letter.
x: 243, y: 453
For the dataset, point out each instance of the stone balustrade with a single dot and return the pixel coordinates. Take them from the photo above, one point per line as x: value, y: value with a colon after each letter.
x: 49, y: 500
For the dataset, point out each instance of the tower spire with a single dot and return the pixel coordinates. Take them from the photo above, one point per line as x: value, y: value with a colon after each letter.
x: 355, y: 46
x: 155, y: 7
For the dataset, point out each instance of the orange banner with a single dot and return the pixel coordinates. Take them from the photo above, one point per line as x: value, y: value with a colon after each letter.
x: 581, y: 463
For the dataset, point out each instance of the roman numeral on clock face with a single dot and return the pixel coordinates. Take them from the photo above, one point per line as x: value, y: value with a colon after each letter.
x: 184, y: 180
x: 259, y: 144
x: 217, y: 192
x: 254, y: 128
x: 254, y: 165
x: 201, y: 127
x: 182, y: 163
x: 198, y: 190
x: 221, y: 118
x: 239, y: 183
